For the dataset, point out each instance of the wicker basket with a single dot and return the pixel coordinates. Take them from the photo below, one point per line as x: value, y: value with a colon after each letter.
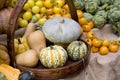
x: 41, y: 72
x: 4, y: 3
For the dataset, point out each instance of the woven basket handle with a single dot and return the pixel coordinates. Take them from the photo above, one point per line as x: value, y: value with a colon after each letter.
x: 13, y: 24
x: 11, y: 29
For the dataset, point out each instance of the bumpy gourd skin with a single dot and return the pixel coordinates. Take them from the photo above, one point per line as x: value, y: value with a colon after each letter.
x: 20, y: 45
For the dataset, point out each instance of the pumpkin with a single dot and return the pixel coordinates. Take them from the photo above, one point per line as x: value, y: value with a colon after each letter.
x: 77, y: 50
x: 61, y: 30
x: 21, y: 45
x: 2, y: 76
x: 10, y: 72
x: 53, y: 56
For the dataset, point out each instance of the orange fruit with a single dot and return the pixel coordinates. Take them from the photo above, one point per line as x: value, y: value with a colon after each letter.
x: 105, y: 42
x: 50, y: 11
x: 63, y: 12
x: 89, y: 41
x: 104, y: 50
x: 90, y: 35
x: 57, y: 15
x: 79, y: 13
x: 94, y: 49
x: 67, y: 15
x: 113, y: 47
x: 82, y: 21
x: 66, y: 7
x: 86, y: 28
x: 91, y: 24
x: 96, y: 42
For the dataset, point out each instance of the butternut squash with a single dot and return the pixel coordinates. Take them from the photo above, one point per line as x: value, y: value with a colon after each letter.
x: 30, y: 28
x: 28, y: 58
x: 37, y: 41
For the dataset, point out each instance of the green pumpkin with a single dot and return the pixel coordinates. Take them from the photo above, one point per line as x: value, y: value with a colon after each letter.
x: 2, y: 76
x: 53, y: 56
x: 77, y: 50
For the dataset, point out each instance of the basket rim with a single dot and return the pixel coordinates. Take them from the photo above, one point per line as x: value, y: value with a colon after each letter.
x: 60, y: 72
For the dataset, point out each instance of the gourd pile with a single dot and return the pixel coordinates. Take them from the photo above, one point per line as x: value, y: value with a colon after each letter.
x: 48, y: 21
x: 33, y: 47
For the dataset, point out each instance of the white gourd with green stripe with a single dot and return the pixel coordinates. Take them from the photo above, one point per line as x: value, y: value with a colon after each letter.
x: 77, y: 50
x: 53, y: 56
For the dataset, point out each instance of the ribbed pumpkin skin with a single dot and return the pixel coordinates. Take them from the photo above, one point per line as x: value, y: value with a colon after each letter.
x: 77, y: 50
x: 53, y: 56
x: 61, y: 30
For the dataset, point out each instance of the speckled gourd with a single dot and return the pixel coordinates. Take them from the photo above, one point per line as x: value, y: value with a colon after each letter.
x: 77, y: 50
x: 53, y: 56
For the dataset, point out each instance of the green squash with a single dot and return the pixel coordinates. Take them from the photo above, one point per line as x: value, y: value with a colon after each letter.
x: 77, y: 50
x: 53, y: 56
x: 2, y: 76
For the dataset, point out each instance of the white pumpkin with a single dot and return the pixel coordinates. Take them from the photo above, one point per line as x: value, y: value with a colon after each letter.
x: 53, y: 56
x: 61, y: 30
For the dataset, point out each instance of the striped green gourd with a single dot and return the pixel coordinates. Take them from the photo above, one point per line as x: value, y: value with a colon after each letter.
x: 77, y: 50
x: 53, y: 56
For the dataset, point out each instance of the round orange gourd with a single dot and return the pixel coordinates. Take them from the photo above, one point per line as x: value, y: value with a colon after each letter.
x: 113, y: 47
x: 104, y: 50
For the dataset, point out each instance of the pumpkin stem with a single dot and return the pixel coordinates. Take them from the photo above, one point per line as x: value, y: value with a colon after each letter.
x: 51, y: 47
x: 62, y: 20
x: 19, y: 41
x: 80, y: 43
